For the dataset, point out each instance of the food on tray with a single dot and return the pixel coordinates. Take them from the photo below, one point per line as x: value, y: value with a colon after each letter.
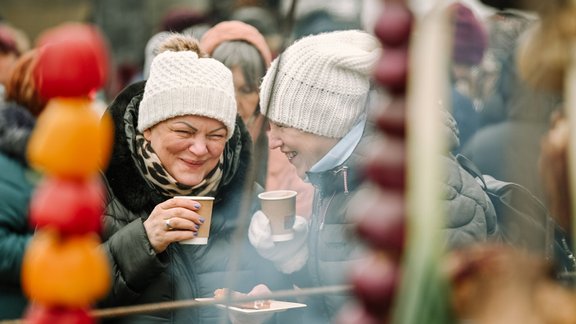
x: 255, y: 304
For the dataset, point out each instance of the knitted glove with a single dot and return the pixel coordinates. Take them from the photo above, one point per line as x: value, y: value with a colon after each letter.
x: 288, y: 256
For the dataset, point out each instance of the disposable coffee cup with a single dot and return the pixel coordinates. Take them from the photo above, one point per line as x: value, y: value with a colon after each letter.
x: 280, y: 208
x: 205, y: 212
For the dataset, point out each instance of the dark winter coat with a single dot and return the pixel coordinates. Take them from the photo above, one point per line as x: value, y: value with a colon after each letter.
x: 333, y: 248
x: 182, y: 271
x: 16, y: 187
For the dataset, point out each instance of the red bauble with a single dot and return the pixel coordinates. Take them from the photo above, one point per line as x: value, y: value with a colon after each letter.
x: 73, y: 61
x: 70, y: 206
x: 41, y: 314
x: 394, y: 26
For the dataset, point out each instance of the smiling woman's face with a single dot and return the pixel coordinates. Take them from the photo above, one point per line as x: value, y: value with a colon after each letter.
x: 189, y: 147
x: 302, y: 149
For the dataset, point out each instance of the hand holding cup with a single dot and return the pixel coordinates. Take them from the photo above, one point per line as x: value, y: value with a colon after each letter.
x: 279, y: 206
x: 174, y: 220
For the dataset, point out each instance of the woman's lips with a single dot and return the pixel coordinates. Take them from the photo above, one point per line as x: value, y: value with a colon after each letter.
x: 192, y: 162
x: 290, y: 155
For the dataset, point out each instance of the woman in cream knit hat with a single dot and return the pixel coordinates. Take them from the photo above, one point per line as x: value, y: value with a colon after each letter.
x: 315, y: 96
x: 177, y: 134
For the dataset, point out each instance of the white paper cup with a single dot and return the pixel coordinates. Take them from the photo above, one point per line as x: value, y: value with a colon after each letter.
x: 280, y: 208
x: 205, y: 212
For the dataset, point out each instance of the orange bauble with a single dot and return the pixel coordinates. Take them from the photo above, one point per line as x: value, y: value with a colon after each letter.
x: 70, y: 271
x: 70, y: 140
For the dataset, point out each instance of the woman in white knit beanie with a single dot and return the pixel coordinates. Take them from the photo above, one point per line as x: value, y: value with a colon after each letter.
x: 315, y: 96
x: 177, y: 134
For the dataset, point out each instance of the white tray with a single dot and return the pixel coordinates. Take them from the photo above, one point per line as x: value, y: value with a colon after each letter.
x: 275, y: 306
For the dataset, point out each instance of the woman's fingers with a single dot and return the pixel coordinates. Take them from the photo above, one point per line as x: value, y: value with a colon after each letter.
x: 181, y: 208
x: 171, y: 221
x: 181, y: 224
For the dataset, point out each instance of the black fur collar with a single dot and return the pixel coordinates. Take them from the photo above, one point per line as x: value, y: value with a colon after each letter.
x: 16, y: 124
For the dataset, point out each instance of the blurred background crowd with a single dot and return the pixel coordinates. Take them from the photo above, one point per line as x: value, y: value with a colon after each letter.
x: 129, y: 25
x: 499, y: 120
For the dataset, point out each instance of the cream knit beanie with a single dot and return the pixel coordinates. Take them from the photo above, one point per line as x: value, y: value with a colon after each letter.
x: 322, y: 83
x: 181, y: 83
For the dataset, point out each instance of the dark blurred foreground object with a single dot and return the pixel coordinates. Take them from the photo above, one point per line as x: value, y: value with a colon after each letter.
x: 383, y: 229
x: 554, y: 170
x: 73, y: 61
x: 514, y: 4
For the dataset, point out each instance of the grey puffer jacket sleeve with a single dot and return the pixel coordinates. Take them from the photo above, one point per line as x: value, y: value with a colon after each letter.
x: 470, y: 214
x: 471, y: 217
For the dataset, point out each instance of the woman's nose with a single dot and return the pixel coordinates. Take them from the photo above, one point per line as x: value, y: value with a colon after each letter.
x: 273, y: 140
x: 198, y: 146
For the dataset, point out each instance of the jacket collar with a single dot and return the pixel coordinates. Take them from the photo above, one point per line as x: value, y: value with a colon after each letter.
x: 16, y: 124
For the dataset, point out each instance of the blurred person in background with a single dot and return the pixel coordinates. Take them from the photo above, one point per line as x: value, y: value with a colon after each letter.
x: 245, y: 52
x: 513, y: 116
x: 13, y: 43
x: 17, y: 180
x: 470, y: 42
x: 179, y: 19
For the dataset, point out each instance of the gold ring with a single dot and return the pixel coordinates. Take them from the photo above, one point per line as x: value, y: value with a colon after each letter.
x: 168, y: 226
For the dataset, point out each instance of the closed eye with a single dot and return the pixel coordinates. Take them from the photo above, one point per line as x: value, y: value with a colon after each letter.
x: 216, y: 136
x: 182, y: 131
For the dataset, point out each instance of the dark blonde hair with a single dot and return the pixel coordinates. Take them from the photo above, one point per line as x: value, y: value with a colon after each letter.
x: 21, y: 87
x: 179, y: 42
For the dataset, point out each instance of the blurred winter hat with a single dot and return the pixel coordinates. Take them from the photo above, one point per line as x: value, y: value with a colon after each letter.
x: 151, y: 50
x: 182, y: 83
x: 235, y: 30
x: 322, y: 83
x: 470, y: 36
x: 179, y: 18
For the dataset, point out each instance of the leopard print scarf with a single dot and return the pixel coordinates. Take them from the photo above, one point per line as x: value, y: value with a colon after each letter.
x: 155, y: 174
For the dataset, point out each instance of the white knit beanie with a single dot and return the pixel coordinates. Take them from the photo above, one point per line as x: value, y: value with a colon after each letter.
x: 181, y: 83
x: 323, y: 82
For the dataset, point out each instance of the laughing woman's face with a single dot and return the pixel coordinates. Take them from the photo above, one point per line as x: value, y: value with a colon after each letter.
x: 302, y: 149
x: 189, y: 147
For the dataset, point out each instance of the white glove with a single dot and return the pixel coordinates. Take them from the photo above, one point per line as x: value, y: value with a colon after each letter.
x: 288, y: 256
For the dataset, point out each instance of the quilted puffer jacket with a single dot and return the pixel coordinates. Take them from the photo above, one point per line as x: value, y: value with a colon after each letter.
x: 471, y: 216
x: 333, y: 247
